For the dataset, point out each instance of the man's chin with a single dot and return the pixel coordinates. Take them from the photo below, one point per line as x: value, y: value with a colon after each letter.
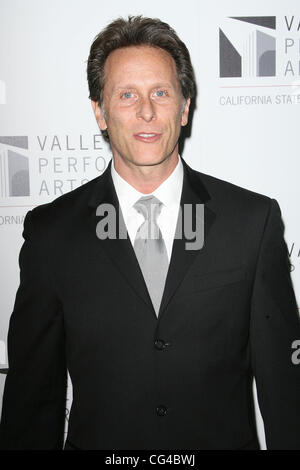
x: 151, y: 160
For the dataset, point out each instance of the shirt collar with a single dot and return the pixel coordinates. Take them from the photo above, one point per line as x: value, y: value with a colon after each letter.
x: 169, y: 192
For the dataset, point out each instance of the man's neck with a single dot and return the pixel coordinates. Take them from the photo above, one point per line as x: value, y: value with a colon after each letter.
x: 146, y: 179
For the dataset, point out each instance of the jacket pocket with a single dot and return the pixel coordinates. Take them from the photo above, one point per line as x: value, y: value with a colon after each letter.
x: 218, y: 279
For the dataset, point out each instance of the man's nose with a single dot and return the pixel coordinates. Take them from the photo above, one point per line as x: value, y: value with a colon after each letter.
x: 146, y: 110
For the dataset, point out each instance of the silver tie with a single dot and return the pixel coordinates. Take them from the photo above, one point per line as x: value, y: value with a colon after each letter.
x: 150, y: 249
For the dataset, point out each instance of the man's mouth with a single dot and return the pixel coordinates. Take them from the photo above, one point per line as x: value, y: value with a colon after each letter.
x: 147, y: 136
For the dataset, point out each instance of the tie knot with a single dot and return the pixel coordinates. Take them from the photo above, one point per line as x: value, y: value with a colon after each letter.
x: 149, y: 207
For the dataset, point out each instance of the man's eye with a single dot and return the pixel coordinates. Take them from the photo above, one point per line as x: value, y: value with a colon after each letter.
x: 160, y: 93
x: 127, y: 95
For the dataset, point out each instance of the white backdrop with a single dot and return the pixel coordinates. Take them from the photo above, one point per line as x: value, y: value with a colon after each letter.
x: 244, y: 128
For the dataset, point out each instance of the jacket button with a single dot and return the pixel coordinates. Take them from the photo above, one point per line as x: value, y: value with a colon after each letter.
x: 161, y: 410
x: 160, y: 344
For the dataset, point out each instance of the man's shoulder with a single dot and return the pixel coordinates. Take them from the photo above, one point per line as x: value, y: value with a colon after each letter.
x: 234, y: 202
x: 225, y: 192
x: 68, y: 206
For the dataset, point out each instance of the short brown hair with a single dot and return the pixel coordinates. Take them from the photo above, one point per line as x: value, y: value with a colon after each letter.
x: 135, y: 31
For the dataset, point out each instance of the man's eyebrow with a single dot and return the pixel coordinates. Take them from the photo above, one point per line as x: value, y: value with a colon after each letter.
x: 125, y: 87
x: 135, y: 87
x: 162, y: 85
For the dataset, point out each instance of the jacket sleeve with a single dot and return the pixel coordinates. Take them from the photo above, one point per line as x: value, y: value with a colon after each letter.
x: 34, y: 396
x: 274, y: 328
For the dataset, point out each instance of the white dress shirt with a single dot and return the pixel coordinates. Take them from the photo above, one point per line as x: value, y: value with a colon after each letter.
x: 169, y: 193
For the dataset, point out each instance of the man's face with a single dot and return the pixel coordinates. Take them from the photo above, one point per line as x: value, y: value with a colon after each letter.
x: 143, y: 105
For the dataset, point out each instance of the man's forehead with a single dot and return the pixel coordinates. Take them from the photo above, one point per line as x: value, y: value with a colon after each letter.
x: 137, y: 53
x: 133, y: 64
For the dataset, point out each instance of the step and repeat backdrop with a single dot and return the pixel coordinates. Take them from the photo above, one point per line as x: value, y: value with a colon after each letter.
x: 245, y: 126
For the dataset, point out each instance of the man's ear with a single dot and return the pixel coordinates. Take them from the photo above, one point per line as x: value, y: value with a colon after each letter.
x: 185, y: 112
x: 99, y: 115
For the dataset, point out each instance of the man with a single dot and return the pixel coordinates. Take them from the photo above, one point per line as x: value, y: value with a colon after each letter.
x: 161, y: 341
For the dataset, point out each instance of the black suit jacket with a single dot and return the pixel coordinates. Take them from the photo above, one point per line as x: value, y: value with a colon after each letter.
x: 179, y: 381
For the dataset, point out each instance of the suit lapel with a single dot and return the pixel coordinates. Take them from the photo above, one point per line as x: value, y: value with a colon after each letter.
x: 120, y: 250
x: 193, y: 192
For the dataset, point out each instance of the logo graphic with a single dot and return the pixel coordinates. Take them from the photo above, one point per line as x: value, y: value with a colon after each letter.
x: 250, y: 51
x: 14, y: 167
